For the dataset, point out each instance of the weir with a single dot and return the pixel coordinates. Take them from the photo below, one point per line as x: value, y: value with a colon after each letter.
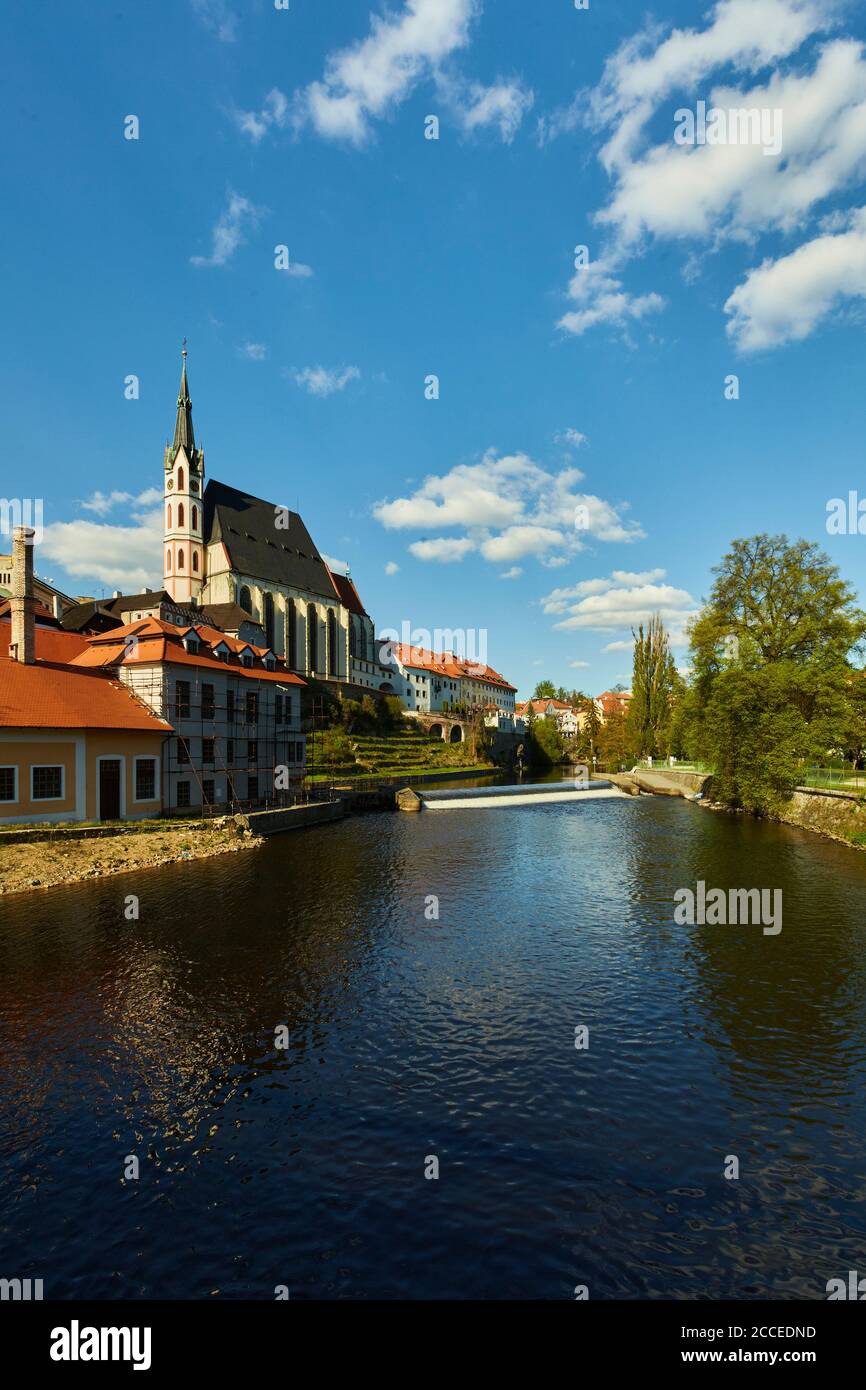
x: 473, y: 798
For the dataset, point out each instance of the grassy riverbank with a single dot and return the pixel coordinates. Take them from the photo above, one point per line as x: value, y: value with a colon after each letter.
x: 46, y: 864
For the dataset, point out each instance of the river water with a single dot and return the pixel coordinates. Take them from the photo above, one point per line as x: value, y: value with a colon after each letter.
x: 413, y: 1039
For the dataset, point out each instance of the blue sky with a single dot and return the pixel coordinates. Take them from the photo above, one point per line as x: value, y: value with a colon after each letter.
x: 601, y: 389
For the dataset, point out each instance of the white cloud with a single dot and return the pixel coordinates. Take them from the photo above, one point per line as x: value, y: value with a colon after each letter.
x: 296, y: 270
x: 445, y: 550
x: 573, y: 438
x: 621, y: 601
x: 745, y: 56
x: 338, y: 566
x: 392, y: 567
x: 254, y: 352
x: 119, y: 557
x: 325, y: 381
x: 514, y: 573
x: 783, y: 300
x: 228, y: 234
x: 510, y: 507
x: 476, y: 107
x: 620, y: 646
x: 578, y: 665
x: 218, y: 17
x: 101, y: 502
x: 368, y: 79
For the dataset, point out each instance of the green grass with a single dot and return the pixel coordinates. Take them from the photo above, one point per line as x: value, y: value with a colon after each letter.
x: 406, y: 752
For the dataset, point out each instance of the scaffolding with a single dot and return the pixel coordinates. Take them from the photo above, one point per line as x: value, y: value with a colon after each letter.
x: 253, y: 751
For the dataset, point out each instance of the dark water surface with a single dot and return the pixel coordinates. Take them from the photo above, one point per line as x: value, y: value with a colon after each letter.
x: 453, y: 1038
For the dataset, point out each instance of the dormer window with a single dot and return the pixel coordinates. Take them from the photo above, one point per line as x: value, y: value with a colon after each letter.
x: 192, y: 645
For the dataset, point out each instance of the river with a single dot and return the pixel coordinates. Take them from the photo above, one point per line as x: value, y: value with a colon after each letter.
x: 412, y: 1039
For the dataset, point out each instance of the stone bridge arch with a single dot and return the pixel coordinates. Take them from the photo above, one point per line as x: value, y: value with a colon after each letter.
x: 445, y: 726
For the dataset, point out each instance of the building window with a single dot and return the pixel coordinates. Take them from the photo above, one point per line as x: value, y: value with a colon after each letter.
x: 46, y: 783
x: 183, y: 794
x: 207, y: 701
x: 180, y: 559
x: 269, y: 619
x: 181, y: 700
x: 230, y: 706
x: 180, y: 515
x: 288, y: 708
x: 207, y: 791
x: 207, y: 750
x: 278, y: 708
x: 8, y: 784
x: 168, y: 517
x: 245, y: 600
x: 182, y: 751
x: 252, y: 706
x: 312, y: 638
x: 195, y: 518
x: 292, y: 644
x: 252, y: 788
x: 252, y: 750
x: 230, y: 751
x: 195, y: 561
x: 145, y: 779
x: 168, y: 562
x: 180, y: 480
x: 333, y: 661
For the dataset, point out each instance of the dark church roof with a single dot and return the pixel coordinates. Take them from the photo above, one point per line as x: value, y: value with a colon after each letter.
x: 258, y: 547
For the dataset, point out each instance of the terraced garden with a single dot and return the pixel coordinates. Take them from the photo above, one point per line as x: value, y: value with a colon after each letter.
x: 332, y: 753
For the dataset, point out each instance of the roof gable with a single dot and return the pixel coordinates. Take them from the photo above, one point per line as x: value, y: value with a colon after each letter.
x: 256, y: 546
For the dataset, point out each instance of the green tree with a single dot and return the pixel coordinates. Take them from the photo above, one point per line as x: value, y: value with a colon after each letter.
x: 545, y: 690
x: 546, y: 747
x: 615, y: 742
x: 773, y: 682
x: 654, y: 682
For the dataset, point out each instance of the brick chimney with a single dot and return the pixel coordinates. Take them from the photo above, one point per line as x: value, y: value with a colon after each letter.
x: 23, y: 644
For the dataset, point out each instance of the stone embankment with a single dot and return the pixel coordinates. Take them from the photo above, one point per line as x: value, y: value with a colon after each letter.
x: 29, y: 864
x: 837, y: 814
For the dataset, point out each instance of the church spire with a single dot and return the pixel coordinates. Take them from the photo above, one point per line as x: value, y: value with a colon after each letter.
x: 183, y: 430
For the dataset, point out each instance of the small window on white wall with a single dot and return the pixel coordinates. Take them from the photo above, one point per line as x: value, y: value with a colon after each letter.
x: 8, y: 784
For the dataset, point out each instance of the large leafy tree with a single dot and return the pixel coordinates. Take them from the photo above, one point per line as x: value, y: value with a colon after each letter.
x: 773, y: 675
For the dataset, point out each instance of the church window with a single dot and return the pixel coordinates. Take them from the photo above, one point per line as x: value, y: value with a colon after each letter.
x: 180, y: 514
x: 312, y: 638
x: 332, y: 643
x: 168, y: 562
x: 180, y: 480
x: 195, y: 518
x: 353, y: 641
x: 292, y: 645
x: 195, y: 561
x: 180, y: 559
x: 245, y: 600
x: 269, y: 619
x: 168, y: 516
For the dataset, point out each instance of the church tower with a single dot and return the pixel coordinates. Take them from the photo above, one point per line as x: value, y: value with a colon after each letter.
x: 183, y: 548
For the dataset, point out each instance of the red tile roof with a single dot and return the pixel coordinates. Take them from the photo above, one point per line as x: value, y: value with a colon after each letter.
x: 349, y: 596
x: 447, y: 664
x: 57, y: 697
x: 52, y: 643
x: 157, y: 641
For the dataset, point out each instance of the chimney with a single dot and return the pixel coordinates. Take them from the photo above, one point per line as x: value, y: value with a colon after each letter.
x: 23, y: 644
